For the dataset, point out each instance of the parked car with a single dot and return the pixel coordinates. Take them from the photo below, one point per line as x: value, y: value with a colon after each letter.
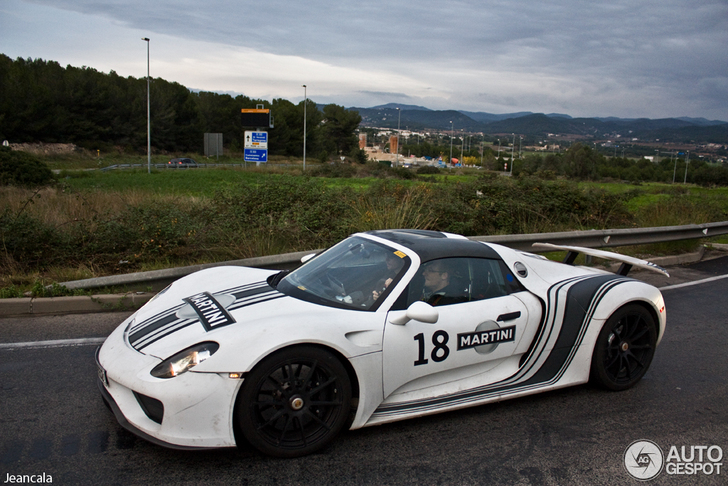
x: 383, y: 326
x: 182, y: 162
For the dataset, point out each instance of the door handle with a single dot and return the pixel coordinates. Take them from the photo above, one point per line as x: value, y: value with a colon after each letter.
x: 509, y: 317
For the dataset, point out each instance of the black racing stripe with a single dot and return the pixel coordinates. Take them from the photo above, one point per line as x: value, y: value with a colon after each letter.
x: 166, y: 330
x: 163, y: 335
x: 580, y: 298
x: 553, y: 307
x: 151, y: 327
x: 136, y: 327
x: 242, y: 294
x: 240, y: 305
x: 539, y: 332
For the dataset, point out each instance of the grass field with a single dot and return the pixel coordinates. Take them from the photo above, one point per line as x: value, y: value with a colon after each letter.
x: 95, y: 222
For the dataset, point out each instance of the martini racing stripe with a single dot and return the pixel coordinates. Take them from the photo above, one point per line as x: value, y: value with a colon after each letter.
x: 571, y: 305
x: 149, y: 326
x: 162, y: 332
x: 168, y: 322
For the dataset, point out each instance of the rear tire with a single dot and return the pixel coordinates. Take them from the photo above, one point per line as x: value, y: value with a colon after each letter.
x: 294, y: 402
x: 624, y: 348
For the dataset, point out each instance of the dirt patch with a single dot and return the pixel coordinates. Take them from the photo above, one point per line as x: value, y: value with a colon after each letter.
x: 46, y: 148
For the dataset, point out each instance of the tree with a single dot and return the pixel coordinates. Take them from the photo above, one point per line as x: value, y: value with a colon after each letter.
x: 339, y: 129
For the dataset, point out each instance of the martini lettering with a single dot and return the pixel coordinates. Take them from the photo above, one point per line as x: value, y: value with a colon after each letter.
x: 211, y: 313
x: 479, y: 338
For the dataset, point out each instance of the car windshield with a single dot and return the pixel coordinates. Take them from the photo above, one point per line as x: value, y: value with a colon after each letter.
x: 357, y: 274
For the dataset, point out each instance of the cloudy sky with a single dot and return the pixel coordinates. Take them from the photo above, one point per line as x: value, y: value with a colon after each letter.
x: 626, y: 58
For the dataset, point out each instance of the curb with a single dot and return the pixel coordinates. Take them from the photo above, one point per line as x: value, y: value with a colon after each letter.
x: 36, y: 306
x: 124, y: 302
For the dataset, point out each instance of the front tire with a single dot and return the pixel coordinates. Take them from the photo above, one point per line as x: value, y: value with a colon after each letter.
x: 294, y: 402
x: 624, y: 348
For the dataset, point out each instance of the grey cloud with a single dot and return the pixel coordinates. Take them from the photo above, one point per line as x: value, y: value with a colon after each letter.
x: 672, y: 46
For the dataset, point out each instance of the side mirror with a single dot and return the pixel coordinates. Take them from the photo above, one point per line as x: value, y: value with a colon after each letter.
x: 418, y: 311
x: 307, y: 257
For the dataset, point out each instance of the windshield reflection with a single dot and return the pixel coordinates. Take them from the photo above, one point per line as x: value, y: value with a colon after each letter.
x: 356, y: 273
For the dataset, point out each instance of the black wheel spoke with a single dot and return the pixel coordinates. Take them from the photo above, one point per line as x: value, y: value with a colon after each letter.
x: 271, y: 420
x: 309, y: 376
x: 302, y: 431
x: 317, y: 419
x: 612, y: 361
x: 640, y: 347
x: 330, y: 403
x: 323, y: 386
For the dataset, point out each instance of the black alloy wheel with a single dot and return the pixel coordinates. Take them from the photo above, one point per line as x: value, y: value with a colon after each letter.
x: 624, y: 348
x: 294, y: 402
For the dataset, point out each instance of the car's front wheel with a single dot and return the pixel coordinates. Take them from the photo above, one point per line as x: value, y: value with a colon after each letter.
x: 624, y: 348
x: 294, y: 402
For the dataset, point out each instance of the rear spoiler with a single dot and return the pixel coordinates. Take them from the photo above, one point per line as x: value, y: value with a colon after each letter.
x: 627, y: 261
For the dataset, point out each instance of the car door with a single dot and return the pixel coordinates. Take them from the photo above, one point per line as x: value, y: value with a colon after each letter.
x: 486, y: 321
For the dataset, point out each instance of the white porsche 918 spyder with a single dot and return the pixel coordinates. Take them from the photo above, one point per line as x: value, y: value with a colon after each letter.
x: 383, y: 326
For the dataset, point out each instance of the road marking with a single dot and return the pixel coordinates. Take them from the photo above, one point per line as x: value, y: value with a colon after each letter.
x: 696, y: 282
x: 58, y: 343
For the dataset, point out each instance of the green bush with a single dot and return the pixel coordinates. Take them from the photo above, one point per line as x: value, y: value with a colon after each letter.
x: 22, y: 169
x: 428, y: 169
x: 335, y: 170
x: 26, y: 240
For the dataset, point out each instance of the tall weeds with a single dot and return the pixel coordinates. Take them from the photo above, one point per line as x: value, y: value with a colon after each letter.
x: 56, y: 231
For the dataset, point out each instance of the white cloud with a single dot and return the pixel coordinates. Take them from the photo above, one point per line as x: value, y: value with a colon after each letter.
x: 652, y: 58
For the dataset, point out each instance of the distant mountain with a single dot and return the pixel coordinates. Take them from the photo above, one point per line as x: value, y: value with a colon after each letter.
x: 412, y: 117
x: 387, y: 116
x: 490, y: 117
x: 394, y: 106
x: 701, y: 121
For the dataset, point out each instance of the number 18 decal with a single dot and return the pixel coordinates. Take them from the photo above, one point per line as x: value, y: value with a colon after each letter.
x: 439, y: 352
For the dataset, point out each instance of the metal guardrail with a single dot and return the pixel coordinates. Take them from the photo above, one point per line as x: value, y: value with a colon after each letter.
x: 610, y: 237
x: 590, y: 239
x: 198, y: 166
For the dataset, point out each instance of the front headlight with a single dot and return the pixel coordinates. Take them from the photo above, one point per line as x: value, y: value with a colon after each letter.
x: 185, y: 360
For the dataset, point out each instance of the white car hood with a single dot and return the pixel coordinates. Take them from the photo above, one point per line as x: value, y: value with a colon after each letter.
x: 203, y: 305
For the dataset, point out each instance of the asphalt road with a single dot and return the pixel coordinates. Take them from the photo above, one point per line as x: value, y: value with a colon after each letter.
x: 53, y: 422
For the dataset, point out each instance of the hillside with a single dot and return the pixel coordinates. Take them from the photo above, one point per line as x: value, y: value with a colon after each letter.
x: 677, y: 130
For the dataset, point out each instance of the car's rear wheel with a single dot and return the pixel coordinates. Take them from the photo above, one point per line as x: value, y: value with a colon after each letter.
x: 294, y: 402
x: 624, y: 348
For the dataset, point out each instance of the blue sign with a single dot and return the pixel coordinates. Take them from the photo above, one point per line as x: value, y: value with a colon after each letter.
x: 259, y: 137
x: 255, y: 155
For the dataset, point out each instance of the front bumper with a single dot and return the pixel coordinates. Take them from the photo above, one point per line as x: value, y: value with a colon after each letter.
x: 190, y: 411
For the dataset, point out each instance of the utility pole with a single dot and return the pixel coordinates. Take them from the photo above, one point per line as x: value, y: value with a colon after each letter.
x: 452, y: 133
x: 149, y: 121
x: 305, y: 102
x: 513, y: 146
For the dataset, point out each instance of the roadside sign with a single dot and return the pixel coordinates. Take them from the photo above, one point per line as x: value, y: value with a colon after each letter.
x: 256, y: 140
x: 255, y: 155
x: 260, y: 118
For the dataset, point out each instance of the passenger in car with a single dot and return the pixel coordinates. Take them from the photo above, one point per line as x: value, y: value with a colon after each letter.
x: 394, y: 265
x: 442, y: 287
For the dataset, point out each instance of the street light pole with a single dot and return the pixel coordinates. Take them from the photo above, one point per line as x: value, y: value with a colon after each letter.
x: 452, y: 133
x: 399, y: 118
x: 149, y: 123
x: 462, y: 151
x: 305, y: 102
x: 513, y: 146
